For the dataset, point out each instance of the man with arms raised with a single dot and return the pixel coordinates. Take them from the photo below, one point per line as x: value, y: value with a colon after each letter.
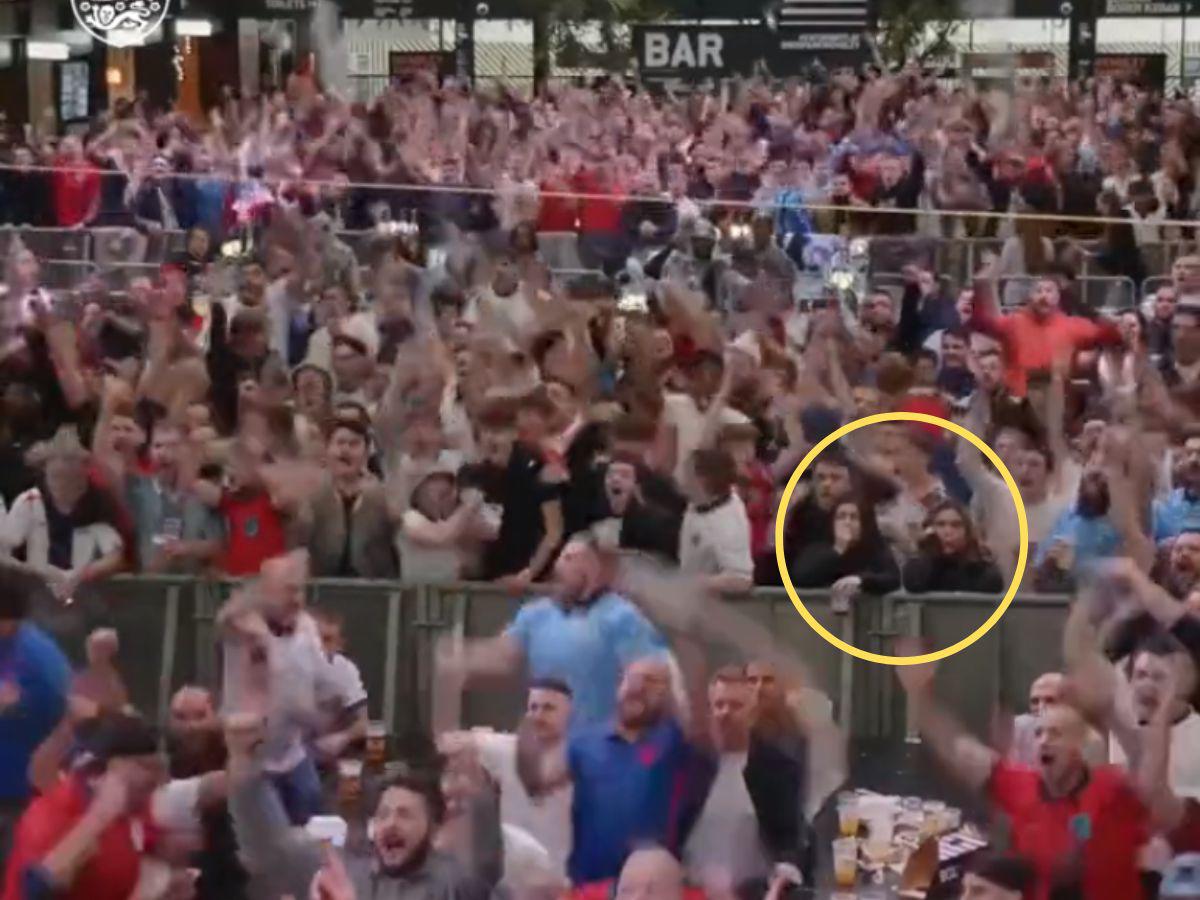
x: 400, y: 863
x: 1077, y: 824
x: 584, y: 634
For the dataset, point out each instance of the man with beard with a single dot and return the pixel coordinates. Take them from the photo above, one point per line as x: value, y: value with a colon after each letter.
x: 1083, y: 534
x: 1080, y: 826
x: 645, y: 751
x: 400, y: 862
x: 585, y: 633
x: 1180, y: 510
x: 1033, y: 335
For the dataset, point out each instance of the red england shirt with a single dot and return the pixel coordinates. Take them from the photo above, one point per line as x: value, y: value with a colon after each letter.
x: 111, y: 873
x: 1093, y: 834
x: 253, y: 532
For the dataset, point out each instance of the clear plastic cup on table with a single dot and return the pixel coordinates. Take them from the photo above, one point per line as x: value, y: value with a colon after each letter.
x: 845, y: 862
x: 848, y: 814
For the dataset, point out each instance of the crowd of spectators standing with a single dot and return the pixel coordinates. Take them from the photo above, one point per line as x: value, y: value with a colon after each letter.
x: 362, y: 363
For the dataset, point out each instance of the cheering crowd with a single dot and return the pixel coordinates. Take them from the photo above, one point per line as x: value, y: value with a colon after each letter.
x: 364, y: 359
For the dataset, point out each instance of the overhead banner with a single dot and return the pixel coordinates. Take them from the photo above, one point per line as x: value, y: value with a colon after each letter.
x: 695, y: 52
x: 1147, y: 69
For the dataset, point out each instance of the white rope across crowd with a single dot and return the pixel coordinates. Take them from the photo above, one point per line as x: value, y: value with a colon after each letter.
x: 747, y: 205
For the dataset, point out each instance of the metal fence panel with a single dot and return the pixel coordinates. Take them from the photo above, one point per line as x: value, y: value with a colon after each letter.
x: 168, y: 639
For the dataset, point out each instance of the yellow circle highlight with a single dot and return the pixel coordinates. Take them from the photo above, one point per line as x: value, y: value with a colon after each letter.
x: 1022, y: 523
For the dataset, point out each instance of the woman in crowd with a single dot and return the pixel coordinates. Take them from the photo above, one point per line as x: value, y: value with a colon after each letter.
x: 951, y: 557
x: 858, y: 554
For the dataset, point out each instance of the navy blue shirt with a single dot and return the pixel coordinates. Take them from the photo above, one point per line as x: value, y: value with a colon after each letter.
x: 627, y: 795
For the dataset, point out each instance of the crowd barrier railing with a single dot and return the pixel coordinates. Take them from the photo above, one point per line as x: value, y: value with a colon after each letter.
x: 68, y: 255
x: 167, y: 627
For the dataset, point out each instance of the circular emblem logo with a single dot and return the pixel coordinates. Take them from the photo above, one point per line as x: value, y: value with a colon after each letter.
x: 120, y: 23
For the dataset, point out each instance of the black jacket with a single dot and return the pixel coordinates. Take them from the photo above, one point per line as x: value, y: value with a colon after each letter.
x: 775, y: 780
x: 819, y: 565
x: 930, y: 573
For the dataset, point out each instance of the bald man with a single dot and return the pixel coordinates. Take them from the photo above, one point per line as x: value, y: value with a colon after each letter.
x: 626, y: 776
x: 651, y: 874
x: 1077, y: 824
x: 276, y: 667
x: 1046, y: 690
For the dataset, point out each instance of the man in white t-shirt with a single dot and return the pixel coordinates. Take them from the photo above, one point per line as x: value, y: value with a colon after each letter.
x: 714, y: 541
x: 541, y: 737
x: 275, y: 667
x: 1161, y: 663
x: 342, y: 699
x: 750, y: 817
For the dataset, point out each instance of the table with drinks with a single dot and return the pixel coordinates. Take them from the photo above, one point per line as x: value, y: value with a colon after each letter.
x: 889, y: 846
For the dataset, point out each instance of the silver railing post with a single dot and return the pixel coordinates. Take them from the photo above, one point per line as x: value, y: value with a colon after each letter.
x: 166, y: 672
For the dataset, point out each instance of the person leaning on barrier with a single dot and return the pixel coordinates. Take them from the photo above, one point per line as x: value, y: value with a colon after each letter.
x: 858, y: 559
x: 399, y: 863
x: 951, y: 558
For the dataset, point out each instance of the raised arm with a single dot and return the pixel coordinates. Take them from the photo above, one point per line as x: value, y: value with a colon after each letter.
x: 1094, y: 683
x: 268, y: 846
x: 965, y: 756
x: 1151, y: 776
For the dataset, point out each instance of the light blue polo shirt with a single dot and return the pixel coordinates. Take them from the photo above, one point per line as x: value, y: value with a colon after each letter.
x: 1176, y: 514
x: 586, y: 645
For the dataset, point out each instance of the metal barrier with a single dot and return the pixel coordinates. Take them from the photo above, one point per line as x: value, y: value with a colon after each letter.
x: 168, y: 639
x: 1100, y: 292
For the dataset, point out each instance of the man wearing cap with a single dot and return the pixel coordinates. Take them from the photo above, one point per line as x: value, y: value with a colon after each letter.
x: 65, y: 524
x: 34, y: 679
x: 84, y: 839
